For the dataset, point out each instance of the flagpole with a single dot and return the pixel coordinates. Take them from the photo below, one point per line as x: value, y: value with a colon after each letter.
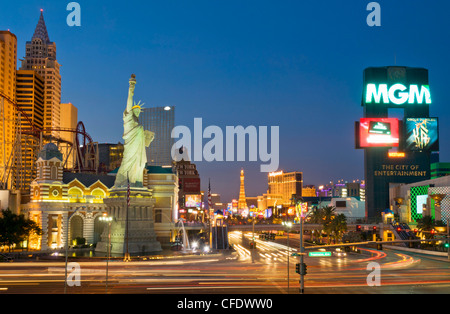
x: 127, y: 255
x: 210, y: 216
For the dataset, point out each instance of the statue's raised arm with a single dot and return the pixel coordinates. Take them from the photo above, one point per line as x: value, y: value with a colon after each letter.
x: 135, y: 140
x: 132, y: 83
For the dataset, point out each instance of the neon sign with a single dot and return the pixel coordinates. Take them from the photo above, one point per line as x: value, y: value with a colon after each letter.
x: 274, y: 174
x: 398, y: 94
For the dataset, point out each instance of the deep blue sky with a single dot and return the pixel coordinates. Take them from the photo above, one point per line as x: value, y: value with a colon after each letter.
x: 293, y: 64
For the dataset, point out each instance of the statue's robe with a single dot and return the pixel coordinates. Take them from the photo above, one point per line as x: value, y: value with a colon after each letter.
x: 134, y: 155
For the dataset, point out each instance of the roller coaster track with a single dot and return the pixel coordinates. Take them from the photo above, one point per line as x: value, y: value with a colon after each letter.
x: 83, y: 140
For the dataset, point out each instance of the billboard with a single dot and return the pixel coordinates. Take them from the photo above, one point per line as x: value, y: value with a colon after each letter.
x: 193, y: 200
x: 421, y: 134
x: 421, y: 202
x: 191, y: 185
x: 379, y: 132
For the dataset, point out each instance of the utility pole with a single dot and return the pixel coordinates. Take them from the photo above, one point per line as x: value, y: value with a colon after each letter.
x: 302, y: 251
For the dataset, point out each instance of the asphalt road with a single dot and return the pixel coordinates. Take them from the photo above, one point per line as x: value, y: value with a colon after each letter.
x: 269, y: 269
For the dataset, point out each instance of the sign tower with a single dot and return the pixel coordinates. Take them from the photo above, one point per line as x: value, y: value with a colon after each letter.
x: 395, y: 150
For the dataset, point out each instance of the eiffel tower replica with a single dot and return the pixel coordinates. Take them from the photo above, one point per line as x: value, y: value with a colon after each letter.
x: 242, y: 203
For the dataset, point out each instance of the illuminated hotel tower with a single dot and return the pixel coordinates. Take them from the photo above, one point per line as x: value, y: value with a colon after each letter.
x: 242, y: 203
x: 161, y: 121
x: 30, y: 99
x: 8, y: 65
x: 40, y: 56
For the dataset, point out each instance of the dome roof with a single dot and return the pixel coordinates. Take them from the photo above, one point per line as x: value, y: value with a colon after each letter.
x: 50, y: 146
x: 49, y: 151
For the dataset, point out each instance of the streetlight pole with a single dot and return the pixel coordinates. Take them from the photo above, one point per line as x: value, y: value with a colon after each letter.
x: 302, y: 267
x: 302, y: 250
x: 108, y: 219
x: 288, y: 225
x: 253, y: 232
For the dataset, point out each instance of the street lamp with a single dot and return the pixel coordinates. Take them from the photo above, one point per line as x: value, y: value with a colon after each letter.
x: 109, y: 220
x: 296, y: 201
x: 288, y: 226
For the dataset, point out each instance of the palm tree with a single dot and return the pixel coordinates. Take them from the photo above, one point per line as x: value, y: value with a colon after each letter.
x: 339, y: 226
x: 426, y: 225
x: 327, y: 218
x: 328, y: 214
x: 316, y: 217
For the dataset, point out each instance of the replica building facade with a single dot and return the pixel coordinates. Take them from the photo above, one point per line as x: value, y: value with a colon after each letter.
x: 69, y: 205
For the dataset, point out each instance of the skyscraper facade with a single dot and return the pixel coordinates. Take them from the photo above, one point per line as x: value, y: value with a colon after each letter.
x: 8, y: 66
x: 30, y: 100
x: 161, y: 121
x: 284, y: 185
x: 40, y: 56
x: 69, y: 120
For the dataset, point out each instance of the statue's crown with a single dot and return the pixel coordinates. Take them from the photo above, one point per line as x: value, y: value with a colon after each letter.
x: 138, y: 105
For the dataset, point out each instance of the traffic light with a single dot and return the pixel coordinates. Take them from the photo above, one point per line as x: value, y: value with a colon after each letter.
x: 303, y: 269
x: 447, y: 245
x: 358, y: 228
x: 374, y: 228
x: 297, y: 268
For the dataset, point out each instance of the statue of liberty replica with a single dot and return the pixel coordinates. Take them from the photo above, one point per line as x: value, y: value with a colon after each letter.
x: 130, y: 203
x: 136, y: 140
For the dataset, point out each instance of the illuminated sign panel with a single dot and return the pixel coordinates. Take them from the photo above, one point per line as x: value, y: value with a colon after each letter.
x: 274, y: 174
x: 396, y: 154
x: 301, y: 209
x: 421, y: 202
x: 378, y: 132
x: 397, y: 94
x: 421, y: 134
x: 319, y: 254
x: 193, y: 200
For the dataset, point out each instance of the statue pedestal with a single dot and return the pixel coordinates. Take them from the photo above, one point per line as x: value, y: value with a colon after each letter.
x: 141, y: 236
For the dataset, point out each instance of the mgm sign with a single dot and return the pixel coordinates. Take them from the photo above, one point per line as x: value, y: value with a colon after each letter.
x: 396, y: 150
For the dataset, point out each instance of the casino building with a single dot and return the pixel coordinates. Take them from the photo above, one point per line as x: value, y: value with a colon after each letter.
x: 411, y: 202
x: 70, y: 204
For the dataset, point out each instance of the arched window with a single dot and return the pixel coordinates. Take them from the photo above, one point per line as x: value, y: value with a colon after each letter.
x: 53, y: 173
x: 99, y: 193
x: 76, y: 228
x: 75, y: 191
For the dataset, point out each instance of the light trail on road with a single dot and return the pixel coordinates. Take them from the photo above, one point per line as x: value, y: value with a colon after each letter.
x: 262, y: 270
